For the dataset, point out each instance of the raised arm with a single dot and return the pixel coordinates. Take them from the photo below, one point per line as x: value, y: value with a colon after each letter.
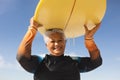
x: 89, y: 63
x: 25, y: 45
x: 89, y: 42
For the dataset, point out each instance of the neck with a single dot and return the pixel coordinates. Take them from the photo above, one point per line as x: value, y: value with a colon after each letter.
x: 56, y: 55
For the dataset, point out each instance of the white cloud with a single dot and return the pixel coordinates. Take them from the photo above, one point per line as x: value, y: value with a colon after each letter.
x: 5, y: 64
x: 8, y: 65
x: 1, y: 61
x: 74, y: 54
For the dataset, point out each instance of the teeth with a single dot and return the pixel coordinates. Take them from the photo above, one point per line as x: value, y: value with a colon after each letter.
x: 57, y: 48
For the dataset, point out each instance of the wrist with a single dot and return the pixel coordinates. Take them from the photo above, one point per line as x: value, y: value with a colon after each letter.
x: 89, y: 38
x: 32, y: 27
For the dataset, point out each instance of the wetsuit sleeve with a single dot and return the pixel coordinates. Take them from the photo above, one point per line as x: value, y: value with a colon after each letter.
x: 92, y: 62
x: 31, y: 64
x: 86, y: 64
x: 24, y: 57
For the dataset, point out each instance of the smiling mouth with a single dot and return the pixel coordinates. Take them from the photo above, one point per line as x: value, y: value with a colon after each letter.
x: 57, y: 48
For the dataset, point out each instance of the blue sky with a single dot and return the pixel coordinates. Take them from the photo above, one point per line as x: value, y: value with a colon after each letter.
x: 14, y: 19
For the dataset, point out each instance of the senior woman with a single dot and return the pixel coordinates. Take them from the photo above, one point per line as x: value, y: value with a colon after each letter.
x: 57, y: 66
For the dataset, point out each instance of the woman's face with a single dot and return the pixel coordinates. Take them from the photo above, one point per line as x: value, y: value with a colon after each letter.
x: 56, y: 44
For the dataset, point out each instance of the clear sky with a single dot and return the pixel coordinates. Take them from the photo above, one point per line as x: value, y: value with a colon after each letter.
x: 14, y: 19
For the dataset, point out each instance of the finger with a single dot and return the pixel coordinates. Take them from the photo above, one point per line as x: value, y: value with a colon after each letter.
x: 36, y: 22
x: 86, y: 28
x: 31, y: 19
x: 95, y: 28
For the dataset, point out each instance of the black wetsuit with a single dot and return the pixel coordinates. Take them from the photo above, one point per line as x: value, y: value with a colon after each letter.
x: 58, y: 68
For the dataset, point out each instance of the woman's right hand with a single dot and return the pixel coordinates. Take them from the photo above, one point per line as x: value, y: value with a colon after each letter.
x: 34, y: 24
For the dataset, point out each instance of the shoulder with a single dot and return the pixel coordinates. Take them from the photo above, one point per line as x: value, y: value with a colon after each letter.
x: 36, y: 58
x: 74, y: 58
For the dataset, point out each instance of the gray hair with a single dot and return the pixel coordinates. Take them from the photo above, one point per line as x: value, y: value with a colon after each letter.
x: 54, y: 30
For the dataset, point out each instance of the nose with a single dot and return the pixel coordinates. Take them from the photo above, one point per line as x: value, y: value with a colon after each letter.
x: 56, y: 43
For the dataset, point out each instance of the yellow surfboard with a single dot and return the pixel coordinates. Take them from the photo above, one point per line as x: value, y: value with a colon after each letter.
x: 69, y: 15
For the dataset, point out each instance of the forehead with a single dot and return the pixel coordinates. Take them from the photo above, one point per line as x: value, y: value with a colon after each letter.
x: 55, y: 35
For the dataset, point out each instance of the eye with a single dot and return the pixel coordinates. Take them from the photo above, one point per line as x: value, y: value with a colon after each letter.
x: 61, y: 40
x: 52, y: 41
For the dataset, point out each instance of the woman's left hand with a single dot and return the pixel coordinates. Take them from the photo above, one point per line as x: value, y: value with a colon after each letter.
x: 90, y: 33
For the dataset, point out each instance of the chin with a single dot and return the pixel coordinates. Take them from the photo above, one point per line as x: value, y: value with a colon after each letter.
x: 58, y: 54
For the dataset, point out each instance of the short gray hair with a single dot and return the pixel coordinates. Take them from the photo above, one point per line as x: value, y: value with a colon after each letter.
x: 53, y: 30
